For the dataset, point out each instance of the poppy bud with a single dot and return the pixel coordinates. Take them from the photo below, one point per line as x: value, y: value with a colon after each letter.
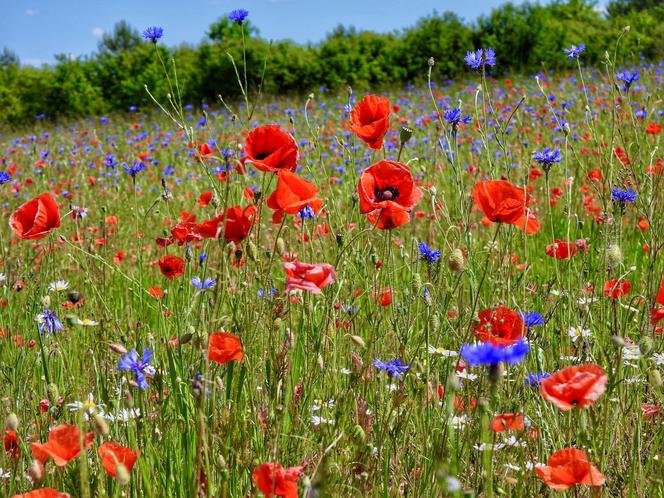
x: 645, y: 345
x: 11, y: 422
x: 355, y: 197
x: 456, y: 261
x: 281, y: 246
x: 358, y: 433
x: 118, y: 348
x: 339, y: 238
x: 320, y: 362
x: 435, y: 321
x: 46, y: 301
x: 417, y: 281
x: 614, y: 255
x: 618, y: 341
x: 121, y: 474
x: 655, y: 378
x: 36, y: 471
x: 53, y: 392
x: 358, y: 340
x: 431, y: 62
x: 186, y: 338
x: 101, y: 426
x: 252, y: 252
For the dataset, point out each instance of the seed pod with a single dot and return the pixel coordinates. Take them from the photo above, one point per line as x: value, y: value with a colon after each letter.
x: 281, y: 246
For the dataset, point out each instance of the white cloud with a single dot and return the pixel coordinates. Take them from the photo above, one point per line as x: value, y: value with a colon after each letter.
x: 31, y: 12
x: 97, y: 32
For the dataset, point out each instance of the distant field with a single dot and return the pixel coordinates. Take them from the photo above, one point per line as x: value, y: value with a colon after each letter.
x: 190, y: 244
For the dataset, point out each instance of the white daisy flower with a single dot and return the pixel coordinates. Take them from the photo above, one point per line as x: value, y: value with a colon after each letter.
x: 442, y: 351
x: 658, y: 358
x: 577, y: 333
x: 58, y: 286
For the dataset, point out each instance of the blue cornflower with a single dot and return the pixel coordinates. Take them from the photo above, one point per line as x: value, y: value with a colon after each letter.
x: 574, y: 51
x: 480, y: 57
x: 153, y: 33
x: 48, y: 321
x: 532, y: 319
x: 454, y: 117
x: 534, y: 380
x: 134, y: 168
x: 4, y: 177
x: 202, y: 258
x: 238, y: 15
x: 546, y: 157
x: 140, y: 366
x: 110, y: 161
x: 271, y: 292
x: 623, y: 196
x: 429, y: 255
x: 395, y: 368
x: 627, y: 78
x: 488, y: 354
x: 203, y: 285
x: 306, y: 212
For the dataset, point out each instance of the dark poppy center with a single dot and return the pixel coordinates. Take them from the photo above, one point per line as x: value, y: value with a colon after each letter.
x: 262, y: 155
x: 386, y: 194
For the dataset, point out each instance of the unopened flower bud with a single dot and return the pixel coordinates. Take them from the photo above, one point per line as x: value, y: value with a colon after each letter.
x: 46, y: 301
x: 358, y: 340
x: 456, y: 261
x: 655, y: 378
x: 118, y: 348
x: 100, y: 425
x: 358, y: 433
x: 281, y: 246
x: 614, y: 255
x: 252, y: 252
x: 11, y: 422
x: 121, y: 474
x: 645, y: 345
x: 36, y: 471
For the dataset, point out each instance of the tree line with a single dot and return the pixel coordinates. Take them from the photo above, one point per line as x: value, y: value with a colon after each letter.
x: 527, y: 38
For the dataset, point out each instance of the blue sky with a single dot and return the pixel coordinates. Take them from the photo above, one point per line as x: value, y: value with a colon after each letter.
x: 38, y: 29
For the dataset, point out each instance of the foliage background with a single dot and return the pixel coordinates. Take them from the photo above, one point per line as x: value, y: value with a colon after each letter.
x: 527, y: 38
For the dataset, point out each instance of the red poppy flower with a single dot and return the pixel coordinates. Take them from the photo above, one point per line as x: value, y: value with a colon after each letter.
x: 309, y: 277
x: 502, y: 202
x: 595, y: 175
x: 388, y: 193
x: 653, y: 129
x: 575, y: 386
x: 616, y: 288
x: 204, y: 199
x: 185, y: 231
x: 507, y: 422
x: 273, y: 480
x: 43, y: 493
x: 11, y: 440
x: 63, y: 445
x: 269, y: 148
x: 384, y: 296
x: 292, y: 195
x: 370, y: 120
x: 500, y: 326
x: 657, y: 314
x: 156, y: 292
x: 171, y: 266
x: 224, y: 348
x: 36, y: 218
x: 238, y: 223
x: 112, y: 454
x: 562, y: 249
x: 568, y: 467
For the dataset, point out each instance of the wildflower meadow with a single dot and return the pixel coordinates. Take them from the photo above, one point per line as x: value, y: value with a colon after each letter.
x: 447, y: 288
